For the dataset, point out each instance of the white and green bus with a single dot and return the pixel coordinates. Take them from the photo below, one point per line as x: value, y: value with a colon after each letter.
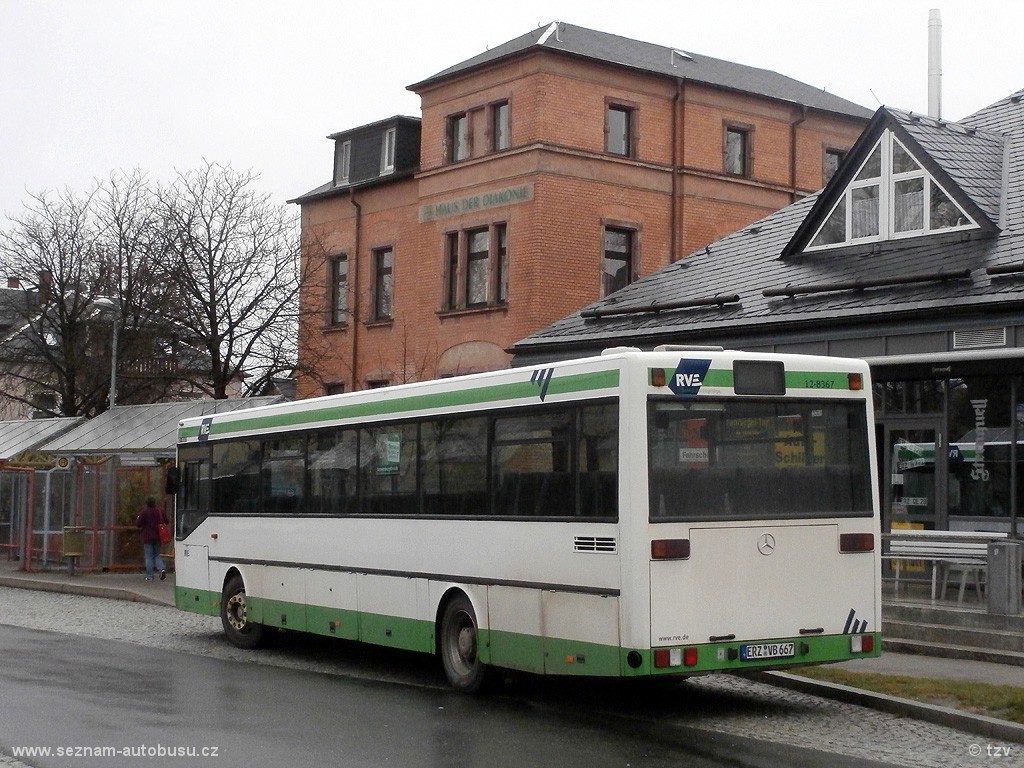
x: 680, y: 511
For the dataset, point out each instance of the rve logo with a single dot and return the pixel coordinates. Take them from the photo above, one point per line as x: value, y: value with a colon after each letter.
x: 542, y: 378
x: 688, y: 377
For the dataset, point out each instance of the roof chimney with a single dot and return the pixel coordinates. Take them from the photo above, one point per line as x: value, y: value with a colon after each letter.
x: 934, y: 64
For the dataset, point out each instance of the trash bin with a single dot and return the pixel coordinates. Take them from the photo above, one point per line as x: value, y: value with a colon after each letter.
x: 1003, y: 587
x: 74, y: 545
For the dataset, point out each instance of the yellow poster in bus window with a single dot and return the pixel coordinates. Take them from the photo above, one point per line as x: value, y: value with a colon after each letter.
x: 791, y: 448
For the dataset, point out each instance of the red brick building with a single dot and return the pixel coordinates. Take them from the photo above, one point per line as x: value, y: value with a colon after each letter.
x: 544, y: 174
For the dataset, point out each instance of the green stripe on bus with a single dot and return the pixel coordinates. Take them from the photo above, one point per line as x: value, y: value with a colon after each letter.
x: 723, y: 377
x: 514, y: 650
x: 520, y: 390
x: 817, y: 380
x: 197, y: 601
x: 718, y: 377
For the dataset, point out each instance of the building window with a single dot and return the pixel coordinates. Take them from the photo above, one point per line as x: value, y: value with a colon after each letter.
x: 477, y: 269
x: 383, y: 283
x: 458, y: 137
x: 737, y: 151
x: 342, y: 162
x: 892, y: 196
x: 620, y: 130
x: 334, y: 389
x: 477, y: 272
x: 617, y: 271
x: 387, y: 151
x: 453, y: 240
x: 339, y: 290
x: 501, y: 233
x: 500, y: 138
x: 833, y: 159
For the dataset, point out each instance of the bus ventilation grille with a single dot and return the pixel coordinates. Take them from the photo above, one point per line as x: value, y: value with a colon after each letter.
x: 594, y: 544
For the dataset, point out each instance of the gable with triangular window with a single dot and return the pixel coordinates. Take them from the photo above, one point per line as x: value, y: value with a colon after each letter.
x: 891, y: 196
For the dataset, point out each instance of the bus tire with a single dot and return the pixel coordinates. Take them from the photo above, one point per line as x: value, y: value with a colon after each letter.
x: 458, y: 646
x: 240, y: 631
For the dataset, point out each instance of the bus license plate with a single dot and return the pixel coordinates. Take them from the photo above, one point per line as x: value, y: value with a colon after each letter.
x: 767, y: 651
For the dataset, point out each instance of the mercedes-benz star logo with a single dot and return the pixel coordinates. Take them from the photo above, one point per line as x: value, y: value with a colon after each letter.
x: 766, y: 544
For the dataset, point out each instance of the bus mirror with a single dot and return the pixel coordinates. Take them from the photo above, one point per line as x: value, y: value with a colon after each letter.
x: 173, y: 481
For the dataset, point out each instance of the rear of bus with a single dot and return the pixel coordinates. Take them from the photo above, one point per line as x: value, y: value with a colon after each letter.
x: 762, y: 511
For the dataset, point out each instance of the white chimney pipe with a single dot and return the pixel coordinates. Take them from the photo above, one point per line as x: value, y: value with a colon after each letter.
x: 934, y: 64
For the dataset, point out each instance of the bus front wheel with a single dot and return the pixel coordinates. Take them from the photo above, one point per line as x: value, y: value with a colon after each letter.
x: 234, y: 616
x: 459, y: 643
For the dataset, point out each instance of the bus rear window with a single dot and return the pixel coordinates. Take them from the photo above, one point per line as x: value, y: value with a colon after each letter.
x: 770, y: 459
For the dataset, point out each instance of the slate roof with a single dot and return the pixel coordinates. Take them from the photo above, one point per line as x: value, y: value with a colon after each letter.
x: 656, y: 59
x: 141, y: 428
x: 988, y: 167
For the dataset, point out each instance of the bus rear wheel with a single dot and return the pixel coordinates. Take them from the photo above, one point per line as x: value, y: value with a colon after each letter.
x: 234, y: 616
x: 459, y: 645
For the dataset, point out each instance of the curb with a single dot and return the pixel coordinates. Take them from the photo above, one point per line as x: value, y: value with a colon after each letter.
x: 982, y: 725
x: 86, y: 590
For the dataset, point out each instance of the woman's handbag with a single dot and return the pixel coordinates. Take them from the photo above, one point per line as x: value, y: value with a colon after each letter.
x: 165, y: 533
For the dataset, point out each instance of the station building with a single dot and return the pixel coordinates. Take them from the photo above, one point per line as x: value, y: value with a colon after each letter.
x: 912, y: 257
x: 543, y: 174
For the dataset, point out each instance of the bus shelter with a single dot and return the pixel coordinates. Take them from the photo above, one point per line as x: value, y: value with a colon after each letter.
x: 88, y: 482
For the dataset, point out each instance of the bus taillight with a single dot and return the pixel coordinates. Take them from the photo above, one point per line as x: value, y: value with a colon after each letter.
x: 856, y: 382
x: 675, y: 657
x: 862, y: 643
x: 856, y: 542
x: 670, y: 549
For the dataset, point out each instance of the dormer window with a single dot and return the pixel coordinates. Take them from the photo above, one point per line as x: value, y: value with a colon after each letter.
x: 387, y: 151
x: 891, y: 197
x: 342, y: 162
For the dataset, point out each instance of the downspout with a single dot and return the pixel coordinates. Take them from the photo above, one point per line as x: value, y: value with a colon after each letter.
x: 355, y: 292
x: 792, y: 151
x: 677, y: 130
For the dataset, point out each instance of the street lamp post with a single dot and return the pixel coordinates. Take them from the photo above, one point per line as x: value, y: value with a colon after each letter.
x: 113, y: 363
x: 107, y: 304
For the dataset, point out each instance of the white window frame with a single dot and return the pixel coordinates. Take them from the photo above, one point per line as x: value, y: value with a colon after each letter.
x: 344, y: 163
x: 886, y: 183
x: 388, y: 151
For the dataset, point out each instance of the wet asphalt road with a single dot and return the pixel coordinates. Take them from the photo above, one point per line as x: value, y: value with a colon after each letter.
x: 96, y: 669
x: 64, y: 691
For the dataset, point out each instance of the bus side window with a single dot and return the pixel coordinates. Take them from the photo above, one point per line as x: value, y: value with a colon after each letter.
x: 453, y: 458
x: 332, y: 465
x: 598, y: 459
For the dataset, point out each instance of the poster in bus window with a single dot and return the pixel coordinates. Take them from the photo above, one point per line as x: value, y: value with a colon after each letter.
x: 693, y: 448
x: 389, y: 453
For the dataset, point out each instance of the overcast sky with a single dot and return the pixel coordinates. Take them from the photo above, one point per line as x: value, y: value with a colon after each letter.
x: 88, y: 87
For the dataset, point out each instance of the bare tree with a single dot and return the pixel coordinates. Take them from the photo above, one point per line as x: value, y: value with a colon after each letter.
x: 131, y: 239
x: 87, y: 266
x: 232, y: 259
x: 54, y: 359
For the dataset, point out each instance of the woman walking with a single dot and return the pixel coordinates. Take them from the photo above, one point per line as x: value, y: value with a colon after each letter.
x: 149, y: 520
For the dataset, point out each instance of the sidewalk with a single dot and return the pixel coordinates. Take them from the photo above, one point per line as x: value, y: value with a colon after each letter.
x: 134, y: 587
x: 117, y: 586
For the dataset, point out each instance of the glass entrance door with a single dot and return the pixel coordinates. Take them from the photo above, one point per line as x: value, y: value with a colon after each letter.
x: 913, y: 481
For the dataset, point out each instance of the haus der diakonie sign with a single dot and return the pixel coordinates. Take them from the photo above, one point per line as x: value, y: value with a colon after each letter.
x: 457, y: 206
